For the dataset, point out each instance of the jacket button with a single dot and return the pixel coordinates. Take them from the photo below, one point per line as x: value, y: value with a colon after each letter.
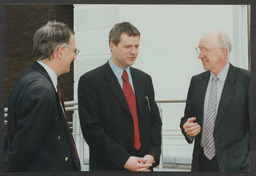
x: 132, y: 138
x: 58, y: 137
x: 66, y: 159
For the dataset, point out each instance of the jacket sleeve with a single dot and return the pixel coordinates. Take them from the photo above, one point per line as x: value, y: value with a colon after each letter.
x: 188, y: 112
x: 33, y: 111
x: 156, y: 126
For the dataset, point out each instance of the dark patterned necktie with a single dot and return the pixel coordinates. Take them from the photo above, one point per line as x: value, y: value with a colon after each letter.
x: 131, y: 100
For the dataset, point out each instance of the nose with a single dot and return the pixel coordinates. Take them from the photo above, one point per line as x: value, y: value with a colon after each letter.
x: 201, y: 55
x: 133, y: 50
x: 74, y: 57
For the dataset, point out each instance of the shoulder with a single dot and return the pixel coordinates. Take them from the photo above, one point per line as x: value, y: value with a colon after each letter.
x: 240, y: 72
x: 200, y: 76
x: 97, y: 72
x: 239, y: 75
x: 139, y: 73
x: 33, y: 88
x: 35, y: 82
x: 93, y: 78
x: 37, y: 79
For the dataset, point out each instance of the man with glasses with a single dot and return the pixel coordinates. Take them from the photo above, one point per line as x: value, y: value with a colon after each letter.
x: 38, y: 137
x: 217, y: 110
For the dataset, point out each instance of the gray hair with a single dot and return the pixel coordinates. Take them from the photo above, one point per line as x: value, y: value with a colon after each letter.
x: 120, y: 28
x: 224, y: 41
x: 49, y: 38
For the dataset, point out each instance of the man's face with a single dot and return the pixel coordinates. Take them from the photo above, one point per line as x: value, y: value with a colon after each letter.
x: 69, y: 55
x: 125, y: 52
x: 210, y: 54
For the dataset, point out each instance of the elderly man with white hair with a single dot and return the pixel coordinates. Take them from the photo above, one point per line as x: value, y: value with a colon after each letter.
x: 217, y: 111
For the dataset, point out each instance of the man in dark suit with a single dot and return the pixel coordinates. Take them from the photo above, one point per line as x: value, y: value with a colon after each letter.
x: 123, y: 131
x: 217, y: 110
x: 38, y: 138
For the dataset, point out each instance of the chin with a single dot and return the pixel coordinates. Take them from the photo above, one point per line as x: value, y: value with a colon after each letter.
x: 67, y: 70
x: 131, y: 63
x: 205, y: 67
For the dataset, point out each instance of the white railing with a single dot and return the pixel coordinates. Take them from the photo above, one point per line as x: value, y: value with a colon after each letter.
x: 75, y: 126
x: 72, y: 106
x: 69, y: 106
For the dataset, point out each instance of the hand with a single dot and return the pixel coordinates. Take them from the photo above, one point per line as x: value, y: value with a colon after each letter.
x: 137, y: 164
x: 148, y: 159
x: 192, y: 129
x: 148, y: 162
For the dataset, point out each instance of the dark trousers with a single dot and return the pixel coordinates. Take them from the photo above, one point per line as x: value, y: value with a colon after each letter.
x: 206, y: 165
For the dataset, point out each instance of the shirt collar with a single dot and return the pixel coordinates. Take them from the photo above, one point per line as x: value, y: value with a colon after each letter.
x: 222, y: 74
x: 51, y: 73
x: 117, y: 70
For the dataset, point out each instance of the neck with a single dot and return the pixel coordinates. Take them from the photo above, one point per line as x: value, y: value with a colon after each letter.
x: 218, y: 70
x: 117, y: 63
x: 52, y: 65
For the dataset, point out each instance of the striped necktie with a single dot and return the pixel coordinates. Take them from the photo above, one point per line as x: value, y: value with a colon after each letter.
x: 209, y: 146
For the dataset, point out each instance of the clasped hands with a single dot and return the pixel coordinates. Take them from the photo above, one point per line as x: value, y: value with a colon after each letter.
x: 135, y: 163
x: 191, y: 128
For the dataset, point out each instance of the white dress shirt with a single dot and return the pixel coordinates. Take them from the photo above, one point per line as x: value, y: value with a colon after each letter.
x: 51, y: 73
x: 220, y: 84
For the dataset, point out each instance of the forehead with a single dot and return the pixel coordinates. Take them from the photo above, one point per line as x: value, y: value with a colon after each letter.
x: 72, y: 40
x: 208, y: 41
x: 125, y: 38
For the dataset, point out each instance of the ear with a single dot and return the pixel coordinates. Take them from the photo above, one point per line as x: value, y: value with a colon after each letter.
x: 112, y: 46
x: 224, y: 53
x: 59, y: 53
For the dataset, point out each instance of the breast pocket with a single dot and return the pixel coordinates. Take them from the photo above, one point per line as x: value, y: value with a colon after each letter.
x: 146, y: 104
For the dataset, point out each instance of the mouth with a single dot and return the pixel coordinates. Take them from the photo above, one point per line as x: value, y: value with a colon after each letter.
x: 205, y: 61
x: 132, y: 58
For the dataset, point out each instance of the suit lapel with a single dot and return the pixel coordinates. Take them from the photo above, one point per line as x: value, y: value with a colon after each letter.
x: 138, y: 88
x: 201, y: 91
x: 68, y: 136
x: 201, y: 96
x: 68, y: 133
x: 114, y: 86
x: 62, y: 116
x: 228, y: 92
x: 139, y: 93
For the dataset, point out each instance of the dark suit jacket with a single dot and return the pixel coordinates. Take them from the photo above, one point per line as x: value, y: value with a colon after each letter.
x: 37, y: 135
x: 231, y: 130
x: 106, y: 120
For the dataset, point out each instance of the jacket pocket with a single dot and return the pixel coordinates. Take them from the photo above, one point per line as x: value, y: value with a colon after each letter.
x: 239, y: 150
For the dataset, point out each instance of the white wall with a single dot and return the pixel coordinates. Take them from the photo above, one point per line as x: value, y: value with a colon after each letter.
x: 169, y: 35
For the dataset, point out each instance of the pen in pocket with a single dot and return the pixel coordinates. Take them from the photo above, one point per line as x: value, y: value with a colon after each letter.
x: 148, y: 103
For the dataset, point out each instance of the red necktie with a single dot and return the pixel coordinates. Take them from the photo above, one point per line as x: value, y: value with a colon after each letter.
x: 62, y: 103
x: 130, y: 98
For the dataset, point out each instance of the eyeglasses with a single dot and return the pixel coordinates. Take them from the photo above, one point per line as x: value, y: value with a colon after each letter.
x: 205, y: 51
x: 76, y: 51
